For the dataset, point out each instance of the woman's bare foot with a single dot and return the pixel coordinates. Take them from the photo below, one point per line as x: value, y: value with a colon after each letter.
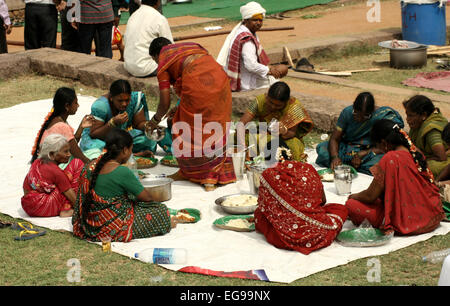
x: 66, y: 213
x: 178, y: 176
x: 209, y: 187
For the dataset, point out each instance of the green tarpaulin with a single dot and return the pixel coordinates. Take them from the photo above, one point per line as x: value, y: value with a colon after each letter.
x: 230, y: 8
x: 227, y: 9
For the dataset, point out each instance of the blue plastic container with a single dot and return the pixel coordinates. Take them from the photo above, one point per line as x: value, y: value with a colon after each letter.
x: 424, y: 23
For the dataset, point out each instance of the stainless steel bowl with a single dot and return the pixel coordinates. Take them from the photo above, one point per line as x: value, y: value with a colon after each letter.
x: 236, y: 210
x: 160, y: 189
x: 157, y: 134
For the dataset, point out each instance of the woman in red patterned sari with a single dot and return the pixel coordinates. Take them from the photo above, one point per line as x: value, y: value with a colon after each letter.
x: 402, y: 196
x: 291, y: 211
x: 205, y: 101
x: 48, y: 190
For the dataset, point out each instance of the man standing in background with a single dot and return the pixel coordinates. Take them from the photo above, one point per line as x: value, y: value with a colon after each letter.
x: 41, y: 23
x: 5, y: 26
x: 96, y: 16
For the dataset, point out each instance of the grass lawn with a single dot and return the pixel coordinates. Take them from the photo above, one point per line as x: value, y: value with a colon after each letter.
x: 44, y: 260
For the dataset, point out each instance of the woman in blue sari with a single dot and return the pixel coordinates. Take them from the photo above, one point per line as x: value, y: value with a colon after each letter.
x: 350, y: 141
x: 124, y: 109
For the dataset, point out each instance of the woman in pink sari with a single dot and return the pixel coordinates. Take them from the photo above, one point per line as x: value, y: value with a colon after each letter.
x: 48, y: 190
x: 65, y: 104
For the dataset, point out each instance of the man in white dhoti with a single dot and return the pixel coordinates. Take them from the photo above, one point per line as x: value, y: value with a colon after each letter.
x: 242, y: 55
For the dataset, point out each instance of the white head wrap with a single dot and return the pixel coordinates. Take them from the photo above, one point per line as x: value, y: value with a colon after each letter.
x: 247, y: 11
x: 250, y: 9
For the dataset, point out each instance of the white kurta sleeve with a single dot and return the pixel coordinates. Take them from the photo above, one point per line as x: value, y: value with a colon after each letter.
x: 250, y: 60
x: 165, y: 30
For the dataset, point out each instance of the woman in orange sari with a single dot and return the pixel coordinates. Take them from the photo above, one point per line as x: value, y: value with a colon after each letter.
x: 199, y: 122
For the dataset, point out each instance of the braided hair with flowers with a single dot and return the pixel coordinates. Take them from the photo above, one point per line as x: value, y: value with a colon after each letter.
x: 394, y: 135
x: 64, y: 96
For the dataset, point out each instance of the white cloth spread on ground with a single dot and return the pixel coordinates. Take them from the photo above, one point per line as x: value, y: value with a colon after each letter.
x: 207, y: 246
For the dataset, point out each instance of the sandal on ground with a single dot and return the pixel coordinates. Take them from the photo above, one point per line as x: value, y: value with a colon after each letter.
x: 5, y: 224
x: 30, y: 234
x: 21, y: 226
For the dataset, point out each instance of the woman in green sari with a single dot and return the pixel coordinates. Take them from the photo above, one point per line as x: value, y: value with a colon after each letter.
x: 124, y: 109
x: 111, y: 201
x: 350, y: 140
x: 293, y: 120
x: 426, y: 126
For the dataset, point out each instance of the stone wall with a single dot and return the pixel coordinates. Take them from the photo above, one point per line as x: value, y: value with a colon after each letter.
x: 101, y: 72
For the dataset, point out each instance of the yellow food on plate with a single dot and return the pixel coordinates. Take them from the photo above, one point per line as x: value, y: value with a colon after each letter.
x: 240, y: 200
x: 328, y: 177
x: 144, y: 162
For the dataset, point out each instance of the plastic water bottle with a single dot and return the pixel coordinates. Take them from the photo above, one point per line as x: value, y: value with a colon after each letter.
x: 162, y: 255
x: 437, y: 256
x: 132, y: 165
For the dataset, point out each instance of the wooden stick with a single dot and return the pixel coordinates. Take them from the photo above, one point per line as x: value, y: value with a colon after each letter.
x: 352, y: 71
x: 335, y: 73
x: 288, y: 56
x: 438, y: 52
x: 438, y: 48
x: 227, y: 32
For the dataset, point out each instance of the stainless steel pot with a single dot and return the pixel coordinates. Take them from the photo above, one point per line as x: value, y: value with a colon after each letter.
x: 160, y: 189
x: 408, y: 58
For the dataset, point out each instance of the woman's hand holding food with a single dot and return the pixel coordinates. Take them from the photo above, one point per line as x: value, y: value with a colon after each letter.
x: 87, y: 121
x: 120, y: 118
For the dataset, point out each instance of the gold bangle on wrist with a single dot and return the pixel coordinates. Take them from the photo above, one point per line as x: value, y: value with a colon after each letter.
x: 111, y: 123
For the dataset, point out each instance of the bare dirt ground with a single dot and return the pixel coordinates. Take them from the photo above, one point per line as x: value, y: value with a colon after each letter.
x: 318, y: 22
x: 340, y: 18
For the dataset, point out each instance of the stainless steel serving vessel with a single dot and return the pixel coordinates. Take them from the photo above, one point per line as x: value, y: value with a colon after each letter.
x: 160, y: 188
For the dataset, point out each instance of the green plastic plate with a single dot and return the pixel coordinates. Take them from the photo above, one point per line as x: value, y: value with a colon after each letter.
x: 154, y: 162
x: 364, y: 237
x: 328, y: 170
x: 191, y: 211
x: 446, y: 206
x: 222, y: 223
x: 169, y: 161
